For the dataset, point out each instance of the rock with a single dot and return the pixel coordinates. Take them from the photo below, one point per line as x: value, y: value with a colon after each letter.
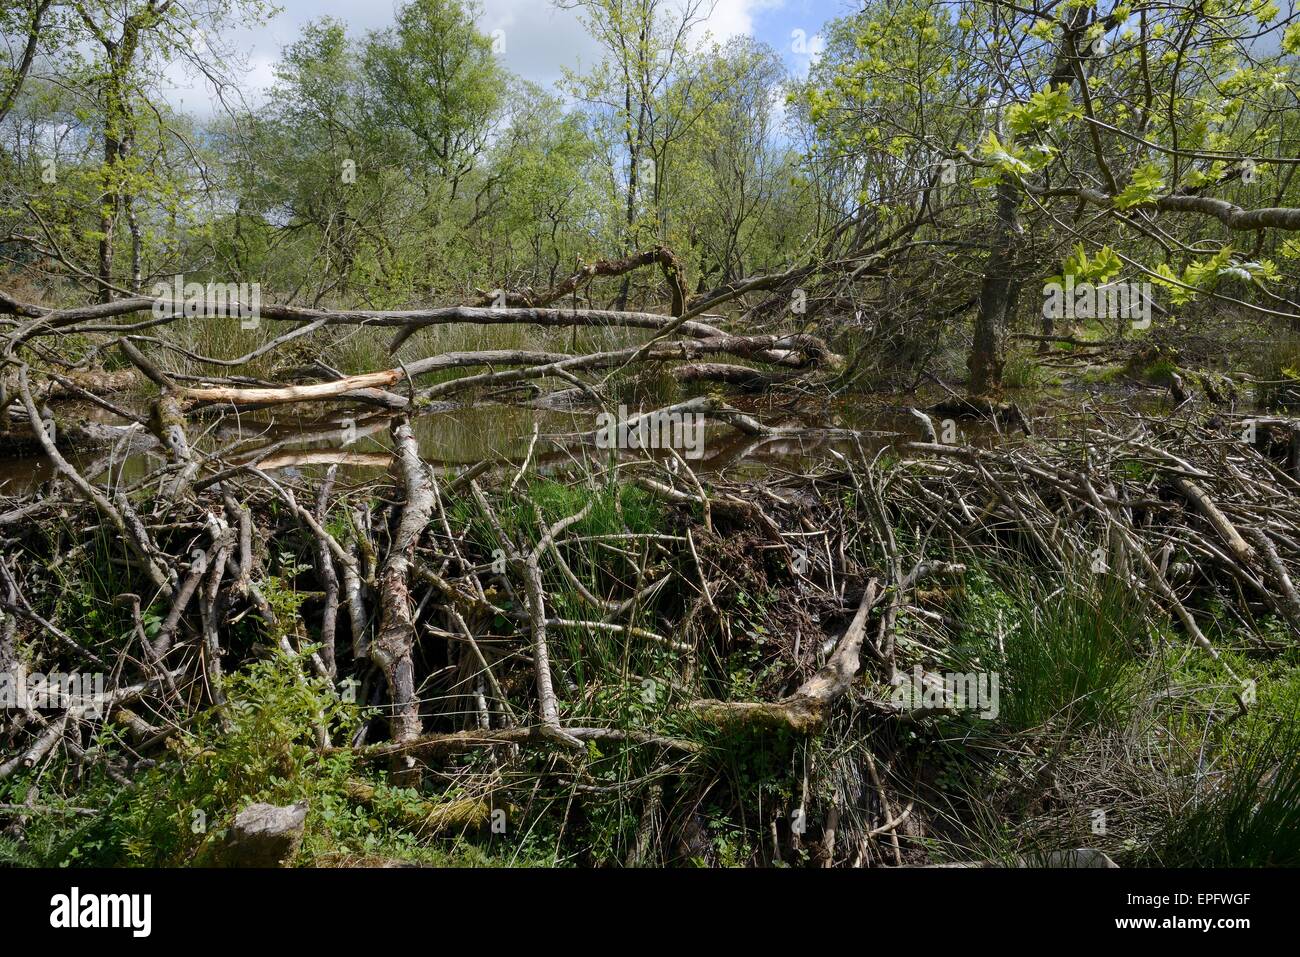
x: 262, y: 835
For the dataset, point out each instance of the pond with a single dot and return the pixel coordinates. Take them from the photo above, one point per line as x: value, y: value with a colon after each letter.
x: 453, y: 437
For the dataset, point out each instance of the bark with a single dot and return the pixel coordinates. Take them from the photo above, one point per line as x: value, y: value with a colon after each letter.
x: 999, y: 287
x: 393, y: 646
x: 795, y: 351
x: 997, y: 298
x: 1201, y: 501
x: 671, y: 265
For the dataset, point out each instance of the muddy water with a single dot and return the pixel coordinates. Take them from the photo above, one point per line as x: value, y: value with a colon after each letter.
x: 291, y: 445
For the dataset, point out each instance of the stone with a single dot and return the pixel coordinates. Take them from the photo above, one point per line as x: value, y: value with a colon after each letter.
x: 262, y: 835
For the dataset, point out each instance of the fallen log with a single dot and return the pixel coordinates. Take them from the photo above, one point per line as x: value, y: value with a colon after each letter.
x: 1200, y: 500
x: 743, y: 377
x: 439, y: 746
x: 808, y: 708
x: 784, y: 350
x: 395, y: 639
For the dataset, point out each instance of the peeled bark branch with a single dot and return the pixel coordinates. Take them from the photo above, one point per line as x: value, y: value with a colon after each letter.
x: 395, y: 641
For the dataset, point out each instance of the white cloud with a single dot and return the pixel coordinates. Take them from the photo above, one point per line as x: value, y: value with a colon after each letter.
x: 733, y: 18
x: 540, y: 39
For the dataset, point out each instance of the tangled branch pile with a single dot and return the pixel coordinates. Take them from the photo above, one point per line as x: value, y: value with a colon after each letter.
x: 594, y: 648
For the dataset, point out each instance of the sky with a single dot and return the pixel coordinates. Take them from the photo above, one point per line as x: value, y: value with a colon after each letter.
x: 539, y: 38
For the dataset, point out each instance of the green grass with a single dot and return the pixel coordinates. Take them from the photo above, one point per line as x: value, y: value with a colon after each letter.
x: 1102, y: 375
x: 1021, y: 372
x: 541, y: 501
x: 1161, y: 371
x: 1106, y: 707
x: 1067, y: 649
x: 1245, y: 813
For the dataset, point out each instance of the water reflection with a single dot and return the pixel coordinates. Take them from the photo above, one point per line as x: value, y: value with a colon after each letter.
x: 453, y: 437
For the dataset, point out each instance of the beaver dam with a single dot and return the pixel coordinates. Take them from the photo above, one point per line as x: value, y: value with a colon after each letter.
x: 650, y: 433
x: 505, y: 616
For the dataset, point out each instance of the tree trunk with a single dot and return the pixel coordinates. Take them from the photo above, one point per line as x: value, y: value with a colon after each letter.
x: 997, y: 297
x: 1000, y: 287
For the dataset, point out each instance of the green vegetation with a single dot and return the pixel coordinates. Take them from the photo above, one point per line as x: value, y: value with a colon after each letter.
x: 472, y: 636
x: 261, y: 747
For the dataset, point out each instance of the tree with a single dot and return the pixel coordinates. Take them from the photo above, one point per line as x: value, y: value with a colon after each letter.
x: 116, y: 49
x: 646, y: 44
x: 434, y: 77
x: 1104, y: 119
x: 26, y: 20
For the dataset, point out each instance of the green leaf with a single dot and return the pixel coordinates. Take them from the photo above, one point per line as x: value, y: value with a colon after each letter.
x: 1291, y: 39
x: 1005, y: 157
x: 1045, y: 108
x: 1147, y: 181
